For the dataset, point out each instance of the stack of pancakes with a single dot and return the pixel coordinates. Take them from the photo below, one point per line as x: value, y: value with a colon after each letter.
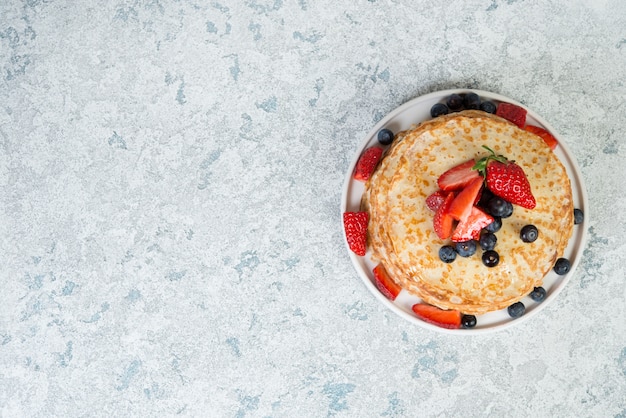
x: 401, y: 234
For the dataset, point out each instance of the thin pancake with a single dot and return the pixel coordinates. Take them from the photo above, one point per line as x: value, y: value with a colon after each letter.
x: 401, y: 235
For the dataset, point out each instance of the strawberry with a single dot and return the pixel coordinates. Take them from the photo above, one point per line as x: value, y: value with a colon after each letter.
x: 433, y: 315
x: 470, y: 228
x: 367, y: 163
x: 458, y: 177
x: 512, y: 113
x: 464, y: 202
x: 385, y: 284
x: 506, y: 179
x: 435, y: 200
x: 442, y: 221
x: 545, y: 135
x: 355, y: 226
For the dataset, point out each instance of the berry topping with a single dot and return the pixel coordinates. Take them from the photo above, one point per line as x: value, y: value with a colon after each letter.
x: 499, y: 207
x: 512, y: 113
x: 463, y: 203
x: 471, y: 101
x: 466, y: 249
x: 435, y: 200
x: 468, y: 321
x: 385, y: 284
x: 506, y: 179
x: 529, y: 233
x: 516, y: 310
x: 470, y: 228
x: 439, y: 109
x: 562, y: 266
x: 491, y: 258
x: 442, y: 221
x: 355, y: 226
x: 433, y: 315
x: 458, y: 176
x: 579, y: 216
x: 367, y: 163
x: 538, y: 294
x: 488, y: 241
x: 495, y: 225
x: 488, y: 107
x: 455, y: 102
x: 385, y: 136
x: 547, y: 137
x: 447, y: 254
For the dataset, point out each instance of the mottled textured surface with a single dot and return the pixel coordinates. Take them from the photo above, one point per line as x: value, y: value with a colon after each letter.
x: 170, y: 180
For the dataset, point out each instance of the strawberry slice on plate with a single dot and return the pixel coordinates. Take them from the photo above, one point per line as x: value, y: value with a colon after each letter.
x: 458, y: 176
x: 367, y: 163
x: 433, y: 315
x: 548, y: 138
x: 355, y: 226
x: 385, y: 283
x: 512, y: 113
x: 463, y: 203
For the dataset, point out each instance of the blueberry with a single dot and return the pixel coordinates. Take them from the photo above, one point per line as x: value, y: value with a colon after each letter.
x: 562, y: 266
x: 491, y: 258
x: 466, y: 248
x: 471, y: 101
x: 538, y: 294
x: 500, y: 207
x: 516, y: 310
x: 468, y: 321
x: 529, y: 233
x: 439, y: 109
x: 579, y: 216
x: 455, y: 102
x: 485, y: 197
x: 385, y: 136
x: 447, y: 254
x: 495, y: 225
x: 488, y: 241
x: 488, y: 107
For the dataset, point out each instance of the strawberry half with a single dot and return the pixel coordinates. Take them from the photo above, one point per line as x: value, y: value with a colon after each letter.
x: 435, y: 200
x: 548, y: 138
x: 355, y: 226
x: 506, y: 179
x: 470, y: 228
x: 433, y: 315
x: 458, y: 177
x: 367, y: 163
x: 385, y: 284
x: 442, y: 221
x: 512, y: 113
x: 464, y: 202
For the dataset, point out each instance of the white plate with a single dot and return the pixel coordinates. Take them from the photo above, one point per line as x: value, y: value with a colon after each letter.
x: 414, y: 112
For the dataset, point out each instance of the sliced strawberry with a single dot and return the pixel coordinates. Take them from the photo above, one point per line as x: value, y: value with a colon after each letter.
x: 470, y: 228
x: 512, y: 113
x: 442, y: 221
x: 549, y: 139
x: 367, y: 163
x: 508, y: 180
x: 355, y: 226
x: 435, y: 200
x: 458, y: 177
x: 385, y: 284
x: 463, y: 203
x: 433, y: 315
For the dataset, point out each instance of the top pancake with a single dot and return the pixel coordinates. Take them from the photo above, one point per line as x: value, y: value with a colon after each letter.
x: 401, y: 234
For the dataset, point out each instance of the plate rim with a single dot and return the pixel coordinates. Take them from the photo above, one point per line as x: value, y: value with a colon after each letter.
x: 573, y: 164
